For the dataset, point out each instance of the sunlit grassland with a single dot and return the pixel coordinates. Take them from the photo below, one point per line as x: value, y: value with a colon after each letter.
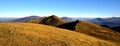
x: 29, y: 34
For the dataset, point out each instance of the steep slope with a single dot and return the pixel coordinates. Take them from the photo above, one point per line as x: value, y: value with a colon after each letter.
x: 52, y: 20
x: 28, y: 34
x: 92, y: 30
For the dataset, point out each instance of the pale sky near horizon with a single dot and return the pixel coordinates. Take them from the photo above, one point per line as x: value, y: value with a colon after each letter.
x: 69, y: 8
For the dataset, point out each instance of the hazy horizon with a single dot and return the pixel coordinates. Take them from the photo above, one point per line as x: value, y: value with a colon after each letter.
x: 61, y: 8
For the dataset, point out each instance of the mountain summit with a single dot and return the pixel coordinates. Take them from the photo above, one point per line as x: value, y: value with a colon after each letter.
x: 52, y: 20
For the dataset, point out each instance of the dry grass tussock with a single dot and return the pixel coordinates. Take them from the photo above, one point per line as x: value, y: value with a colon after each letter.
x: 29, y: 34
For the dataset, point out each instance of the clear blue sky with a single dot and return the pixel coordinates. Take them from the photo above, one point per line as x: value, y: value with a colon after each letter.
x: 70, y: 8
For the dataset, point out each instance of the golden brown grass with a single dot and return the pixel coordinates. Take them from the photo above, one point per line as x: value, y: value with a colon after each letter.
x: 98, y: 31
x: 33, y: 21
x: 28, y: 34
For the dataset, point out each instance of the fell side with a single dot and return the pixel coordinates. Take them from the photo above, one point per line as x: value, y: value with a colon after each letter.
x: 28, y: 34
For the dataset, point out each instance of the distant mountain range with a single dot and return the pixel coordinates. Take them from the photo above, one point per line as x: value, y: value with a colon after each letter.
x: 67, y: 19
x: 111, y: 22
x: 26, y: 19
x: 6, y: 19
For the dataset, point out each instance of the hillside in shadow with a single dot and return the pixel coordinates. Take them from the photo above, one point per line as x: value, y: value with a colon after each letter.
x: 117, y: 29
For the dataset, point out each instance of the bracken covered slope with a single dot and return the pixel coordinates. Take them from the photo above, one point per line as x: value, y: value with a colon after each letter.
x: 28, y: 34
x: 93, y: 30
x: 52, y: 20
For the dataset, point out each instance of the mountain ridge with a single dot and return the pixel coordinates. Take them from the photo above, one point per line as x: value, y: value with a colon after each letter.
x: 93, y: 30
x: 52, y: 20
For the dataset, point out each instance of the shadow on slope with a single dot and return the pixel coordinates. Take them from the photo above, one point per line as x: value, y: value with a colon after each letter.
x: 117, y: 29
x: 70, y: 26
x: 92, y: 30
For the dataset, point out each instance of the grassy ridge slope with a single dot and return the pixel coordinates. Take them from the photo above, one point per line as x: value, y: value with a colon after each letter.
x: 28, y: 34
x: 92, y: 30
x: 97, y: 31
